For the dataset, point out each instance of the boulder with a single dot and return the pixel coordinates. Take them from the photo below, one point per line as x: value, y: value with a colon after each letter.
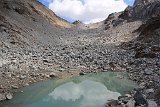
x: 124, y: 99
x: 148, y: 71
x: 9, y: 75
x: 9, y: 96
x: 14, y: 86
x: 141, y: 86
x: 112, y: 103
x: 149, y: 91
x: 152, y: 103
x: 52, y: 75
x: 139, y: 98
x: 82, y: 73
x: 22, y: 77
x: 77, y: 22
x: 131, y: 103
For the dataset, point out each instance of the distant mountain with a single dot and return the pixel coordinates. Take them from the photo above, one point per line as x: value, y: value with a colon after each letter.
x: 145, y: 15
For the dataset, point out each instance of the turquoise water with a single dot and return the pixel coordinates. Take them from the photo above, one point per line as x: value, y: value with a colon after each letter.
x: 85, y: 91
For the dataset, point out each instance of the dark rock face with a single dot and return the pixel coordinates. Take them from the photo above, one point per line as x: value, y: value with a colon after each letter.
x: 147, y: 9
x: 139, y: 99
x: 142, y: 10
x: 143, y: 2
x: 77, y: 22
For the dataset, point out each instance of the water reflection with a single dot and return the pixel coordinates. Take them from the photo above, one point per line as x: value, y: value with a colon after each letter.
x: 84, y: 91
x: 85, y: 94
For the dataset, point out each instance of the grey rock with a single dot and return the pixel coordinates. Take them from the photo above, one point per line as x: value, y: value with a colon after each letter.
x: 156, y: 79
x: 152, y: 103
x: 9, y: 96
x: 82, y: 73
x: 148, y: 71
x: 47, y: 76
x: 26, y: 84
x: 139, y: 98
x: 141, y: 86
x: 143, y: 2
x: 112, y: 103
x: 131, y: 103
x: 61, y: 69
x: 124, y: 99
x: 52, y: 75
x: 14, y: 87
x: 9, y: 75
x: 128, y: 95
x: 1, y: 87
x: 158, y: 72
x: 149, y: 91
x: 22, y: 77
x: 13, y: 67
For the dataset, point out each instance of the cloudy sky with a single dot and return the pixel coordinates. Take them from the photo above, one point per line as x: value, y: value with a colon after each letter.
x: 87, y: 11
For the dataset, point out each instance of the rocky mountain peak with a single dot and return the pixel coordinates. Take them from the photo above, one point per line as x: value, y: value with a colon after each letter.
x: 77, y: 22
x: 142, y: 2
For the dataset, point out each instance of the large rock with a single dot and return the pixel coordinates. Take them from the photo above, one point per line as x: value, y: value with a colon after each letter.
x: 131, y: 103
x: 9, y: 96
x: 112, y: 103
x: 148, y: 71
x: 139, y: 98
x: 152, y: 103
x: 22, y: 77
x: 149, y: 91
x: 52, y: 74
x: 82, y: 73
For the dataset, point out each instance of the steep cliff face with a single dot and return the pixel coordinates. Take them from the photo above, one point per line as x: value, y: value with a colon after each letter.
x: 139, y: 12
x: 142, y: 12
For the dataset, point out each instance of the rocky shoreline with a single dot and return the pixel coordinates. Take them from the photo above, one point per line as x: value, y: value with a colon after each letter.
x: 145, y: 76
x: 12, y: 81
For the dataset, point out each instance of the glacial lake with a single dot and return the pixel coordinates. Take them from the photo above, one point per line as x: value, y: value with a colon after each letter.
x: 92, y: 90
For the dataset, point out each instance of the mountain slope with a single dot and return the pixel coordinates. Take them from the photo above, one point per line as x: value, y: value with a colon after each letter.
x: 27, y: 22
x: 35, y: 44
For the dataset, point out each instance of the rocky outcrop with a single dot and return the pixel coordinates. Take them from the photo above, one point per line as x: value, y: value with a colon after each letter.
x: 143, y: 2
x: 77, y: 22
x: 141, y: 11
